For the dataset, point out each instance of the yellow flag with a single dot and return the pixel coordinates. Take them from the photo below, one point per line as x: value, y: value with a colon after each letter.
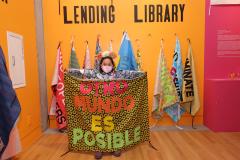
x: 190, y: 89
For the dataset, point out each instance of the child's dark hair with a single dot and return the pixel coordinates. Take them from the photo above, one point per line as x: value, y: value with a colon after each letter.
x: 101, y: 61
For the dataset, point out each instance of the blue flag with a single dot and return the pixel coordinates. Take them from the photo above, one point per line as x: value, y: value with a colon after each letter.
x: 127, y: 59
x: 175, y: 111
x: 177, y: 70
x: 9, y: 105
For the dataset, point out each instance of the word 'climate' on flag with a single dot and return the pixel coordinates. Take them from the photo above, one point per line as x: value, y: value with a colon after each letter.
x: 127, y: 58
x: 58, y: 100
x: 191, y: 101
x: 165, y: 94
x: 9, y: 113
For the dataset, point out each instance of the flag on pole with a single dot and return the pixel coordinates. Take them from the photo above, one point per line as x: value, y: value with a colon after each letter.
x: 58, y: 100
x: 127, y: 58
x: 177, y: 71
x: 98, y: 50
x: 87, y: 59
x: 9, y: 113
x: 175, y: 111
x: 165, y: 94
x: 73, y: 61
x: 139, y: 60
x: 190, y: 89
x: 53, y: 106
x: 110, y: 47
x: 117, y: 57
x: 98, y: 46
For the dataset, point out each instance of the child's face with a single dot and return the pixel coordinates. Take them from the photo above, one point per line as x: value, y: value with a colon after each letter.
x: 107, y: 62
x: 107, y: 65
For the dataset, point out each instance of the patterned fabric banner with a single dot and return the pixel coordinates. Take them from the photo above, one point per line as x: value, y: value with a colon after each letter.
x: 106, y: 115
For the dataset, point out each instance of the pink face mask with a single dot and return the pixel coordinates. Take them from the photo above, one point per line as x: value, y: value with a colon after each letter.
x: 107, y: 69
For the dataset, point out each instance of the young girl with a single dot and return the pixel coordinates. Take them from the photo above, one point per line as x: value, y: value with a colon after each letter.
x: 107, y: 71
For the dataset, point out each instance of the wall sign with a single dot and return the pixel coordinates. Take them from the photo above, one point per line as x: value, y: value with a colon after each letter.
x: 146, y: 13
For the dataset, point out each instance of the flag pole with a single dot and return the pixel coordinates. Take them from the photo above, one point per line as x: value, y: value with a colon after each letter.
x: 175, y: 34
x: 192, y: 116
x: 72, y: 41
x: 59, y: 7
x: 59, y: 44
x: 84, y: 67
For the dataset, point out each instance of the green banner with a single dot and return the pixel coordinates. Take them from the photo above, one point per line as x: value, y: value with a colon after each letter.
x: 106, y: 115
